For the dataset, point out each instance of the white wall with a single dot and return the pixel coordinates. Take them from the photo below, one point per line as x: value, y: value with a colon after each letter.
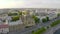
x: 4, y: 30
x: 15, y: 23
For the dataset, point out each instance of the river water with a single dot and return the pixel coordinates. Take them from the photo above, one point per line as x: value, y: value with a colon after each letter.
x: 57, y: 31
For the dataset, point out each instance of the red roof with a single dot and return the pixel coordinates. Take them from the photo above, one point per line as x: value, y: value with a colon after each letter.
x: 4, y: 26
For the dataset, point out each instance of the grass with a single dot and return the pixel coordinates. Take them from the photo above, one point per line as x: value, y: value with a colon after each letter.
x: 55, y: 23
x: 39, y: 31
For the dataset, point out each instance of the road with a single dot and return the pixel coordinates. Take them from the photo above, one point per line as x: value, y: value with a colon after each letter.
x: 28, y: 30
x: 52, y: 30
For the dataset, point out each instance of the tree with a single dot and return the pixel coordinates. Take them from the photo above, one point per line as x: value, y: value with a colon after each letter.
x: 44, y: 20
x: 9, y: 14
x: 20, y: 13
x: 47, y: 18
x: 36, y: 19
x: 15, y: 18
x: 58, y: 14
x: 12, y: 14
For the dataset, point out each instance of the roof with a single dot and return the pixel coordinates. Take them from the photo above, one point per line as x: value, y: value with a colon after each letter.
x: 3, y: 25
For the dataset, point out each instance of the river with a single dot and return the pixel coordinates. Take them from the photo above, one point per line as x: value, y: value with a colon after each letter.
x: 57, y: 31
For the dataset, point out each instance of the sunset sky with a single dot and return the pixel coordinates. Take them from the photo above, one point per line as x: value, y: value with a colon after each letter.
x: 29, y: 3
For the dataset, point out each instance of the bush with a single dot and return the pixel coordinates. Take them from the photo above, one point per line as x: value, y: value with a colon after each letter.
x: 15, y: 18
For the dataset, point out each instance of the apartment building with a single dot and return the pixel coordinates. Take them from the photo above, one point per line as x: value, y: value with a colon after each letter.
x: 4, y: 27
x: 27, y: 19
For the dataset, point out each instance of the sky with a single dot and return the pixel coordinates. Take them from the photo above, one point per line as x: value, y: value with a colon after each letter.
x: 29, y: 4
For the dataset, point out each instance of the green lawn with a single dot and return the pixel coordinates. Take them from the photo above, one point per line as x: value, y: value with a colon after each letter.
x: 39, y: 31
x: 55, y: 23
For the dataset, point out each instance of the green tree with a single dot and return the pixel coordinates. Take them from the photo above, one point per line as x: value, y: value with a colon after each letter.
x: 15, y: 18
x: 36, y: 19
x: 12, y: 14
x: 20, y: 13
x: 47, y: 18
x: 9, y: 14
x: 44, y: 20
x: 58, y: 14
